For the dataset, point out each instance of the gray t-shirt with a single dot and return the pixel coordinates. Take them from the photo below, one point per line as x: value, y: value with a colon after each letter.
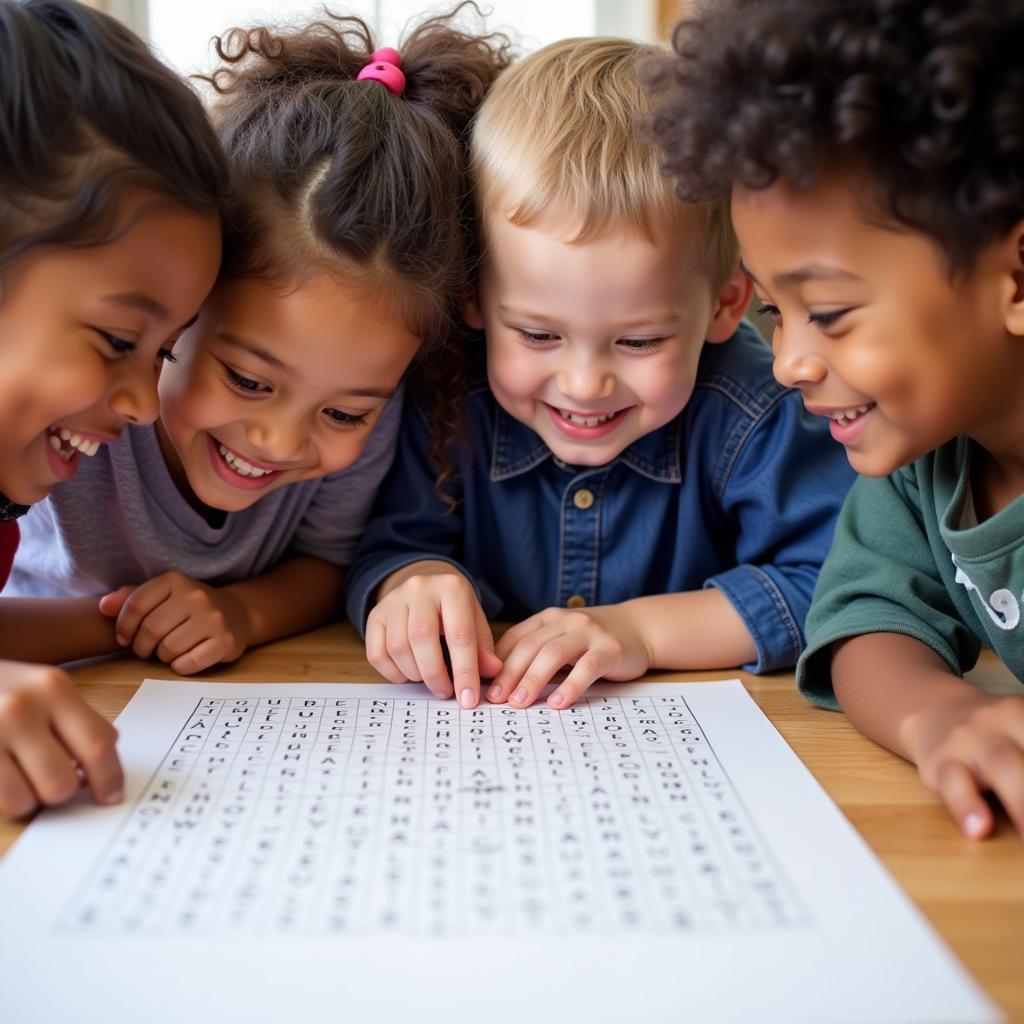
x: 121, y: 520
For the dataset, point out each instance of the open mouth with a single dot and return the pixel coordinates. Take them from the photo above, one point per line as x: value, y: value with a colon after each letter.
x: 237, y: 471
x: 846, y: 416
x: 240, y: 466
x: 586, y: 426
x: 67, y: 444
x: 582, y: 420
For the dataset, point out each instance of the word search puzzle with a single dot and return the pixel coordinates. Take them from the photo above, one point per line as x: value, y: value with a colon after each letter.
x: 367, y: 815
x: 377, y: 839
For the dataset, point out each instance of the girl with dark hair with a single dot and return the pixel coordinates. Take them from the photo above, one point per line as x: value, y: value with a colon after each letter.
x: 348, y: 257
x: 874, y: 152
x: 111, y: 183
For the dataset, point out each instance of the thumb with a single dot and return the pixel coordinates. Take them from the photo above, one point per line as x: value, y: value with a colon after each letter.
x: 112, y: 603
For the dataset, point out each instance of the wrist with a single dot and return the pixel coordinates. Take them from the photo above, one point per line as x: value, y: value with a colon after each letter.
x: 923, y: 726
x: 638, y: 624
x: 245, y: 618
x: 407, y: 572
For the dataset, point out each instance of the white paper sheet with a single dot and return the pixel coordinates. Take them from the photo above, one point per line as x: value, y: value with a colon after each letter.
x: 367, y: 853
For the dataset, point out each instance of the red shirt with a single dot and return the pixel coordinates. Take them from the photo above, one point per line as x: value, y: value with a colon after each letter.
x: 9, y: 537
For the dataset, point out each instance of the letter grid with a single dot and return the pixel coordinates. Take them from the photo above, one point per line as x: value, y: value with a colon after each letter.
x: 360, y: 816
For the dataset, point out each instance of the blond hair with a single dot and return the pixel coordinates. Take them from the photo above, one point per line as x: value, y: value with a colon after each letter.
x: 562, y: 131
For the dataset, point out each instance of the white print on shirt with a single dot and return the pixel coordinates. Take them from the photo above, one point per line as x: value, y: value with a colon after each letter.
x: 1002, y: 607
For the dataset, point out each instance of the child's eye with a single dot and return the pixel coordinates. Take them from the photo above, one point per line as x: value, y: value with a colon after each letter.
x: 243, y: 383
x: 119, y: 345
x: 770, y: 311
x: 166, y: 355
x: 346, y: 418
x: 641, y: 344
x: 828, y: 318
x: 536, y: 337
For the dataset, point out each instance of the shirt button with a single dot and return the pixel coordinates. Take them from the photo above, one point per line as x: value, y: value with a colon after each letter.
x: 583, y: 498
x: 577, y: 600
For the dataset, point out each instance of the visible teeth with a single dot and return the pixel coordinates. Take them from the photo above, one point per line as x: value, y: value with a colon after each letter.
x: 849, y: 414
x: 66, y: 443
x: 585, y: 421
x: 239, y: 465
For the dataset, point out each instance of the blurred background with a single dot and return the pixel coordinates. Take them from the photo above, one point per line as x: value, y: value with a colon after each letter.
x: 181, y: 30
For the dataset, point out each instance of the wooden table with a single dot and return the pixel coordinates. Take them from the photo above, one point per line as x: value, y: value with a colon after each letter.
x: 973, y: 893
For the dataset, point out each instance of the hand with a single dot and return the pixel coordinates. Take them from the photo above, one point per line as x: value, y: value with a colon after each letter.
x: 596, y: 642
x: 403, y: 636
x: 966, y: 747
x: 48, y: 734
x: 187, y: 624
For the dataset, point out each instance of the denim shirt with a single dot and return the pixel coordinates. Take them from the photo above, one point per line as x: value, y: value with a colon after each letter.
x: 740, y: 492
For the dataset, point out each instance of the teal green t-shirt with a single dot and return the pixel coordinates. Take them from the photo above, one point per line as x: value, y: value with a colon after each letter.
x: 903, y: 560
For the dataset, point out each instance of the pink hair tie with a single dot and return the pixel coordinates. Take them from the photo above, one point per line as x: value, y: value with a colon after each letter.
x: 384, y: 67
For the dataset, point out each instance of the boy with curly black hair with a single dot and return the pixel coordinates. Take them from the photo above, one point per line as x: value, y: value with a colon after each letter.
x: 874, y: 153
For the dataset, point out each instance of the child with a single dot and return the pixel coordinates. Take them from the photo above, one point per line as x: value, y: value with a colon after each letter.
x: 239, y: 510
x: 874, y: 156
x: 635, y: 486
x: 111, y: 180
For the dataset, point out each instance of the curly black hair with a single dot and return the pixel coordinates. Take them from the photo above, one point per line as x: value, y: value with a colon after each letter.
x: 921, y: 100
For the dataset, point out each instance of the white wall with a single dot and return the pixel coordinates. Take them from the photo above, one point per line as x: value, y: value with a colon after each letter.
x: 181, y: 30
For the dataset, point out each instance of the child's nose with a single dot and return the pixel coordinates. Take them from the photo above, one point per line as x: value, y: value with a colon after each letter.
x: 796, y: 362
x: 133, y: 398
x: 281, y: 439
x: 585, y: 380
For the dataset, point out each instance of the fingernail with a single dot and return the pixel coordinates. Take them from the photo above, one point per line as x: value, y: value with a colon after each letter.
x: 122, y: 640
x: 557, y: 699
x: 974, y: 824
x: 466, y: 698
x: 519, y: 697
x: 494, y: 693
x: 114, y: 798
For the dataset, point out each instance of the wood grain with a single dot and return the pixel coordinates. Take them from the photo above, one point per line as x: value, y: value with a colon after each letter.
x: 973, y: 893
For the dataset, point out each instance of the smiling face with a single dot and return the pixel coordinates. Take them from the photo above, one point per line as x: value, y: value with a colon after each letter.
x: 83, y: 332
x: 274, y: 385
x: 873, y: 331
x: 594, y: 344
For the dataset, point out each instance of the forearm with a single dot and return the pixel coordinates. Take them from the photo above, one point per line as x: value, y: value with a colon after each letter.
x: 54, y: 629
x: 691, y: 630
x: 299, y: 594
x: 887, y: 683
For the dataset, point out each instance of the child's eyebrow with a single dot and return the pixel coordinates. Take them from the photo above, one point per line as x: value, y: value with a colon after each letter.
x: 142, y: 302
x: 261, y: 353
x: 529, y: 314
x: 809, y: 272
x: 253, y: 348
x: 659, y: 318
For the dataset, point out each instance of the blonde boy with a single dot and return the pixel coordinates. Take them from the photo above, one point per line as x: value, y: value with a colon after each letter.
x: 636, y: 491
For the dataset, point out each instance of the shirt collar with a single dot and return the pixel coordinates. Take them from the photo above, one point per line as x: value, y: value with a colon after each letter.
x: 516, y: 449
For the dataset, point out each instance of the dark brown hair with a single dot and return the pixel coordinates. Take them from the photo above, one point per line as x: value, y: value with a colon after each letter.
x: 922, y: 99
x: 332, y: 173
x: 87, y: 111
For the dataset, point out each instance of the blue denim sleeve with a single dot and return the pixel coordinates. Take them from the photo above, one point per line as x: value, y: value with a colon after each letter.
x: 784, y: 490
x: 409, y: 522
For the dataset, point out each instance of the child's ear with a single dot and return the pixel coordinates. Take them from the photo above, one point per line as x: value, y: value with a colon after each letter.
x: 1015, y: 304
x: 730, y: 305
x: 471, y: 312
